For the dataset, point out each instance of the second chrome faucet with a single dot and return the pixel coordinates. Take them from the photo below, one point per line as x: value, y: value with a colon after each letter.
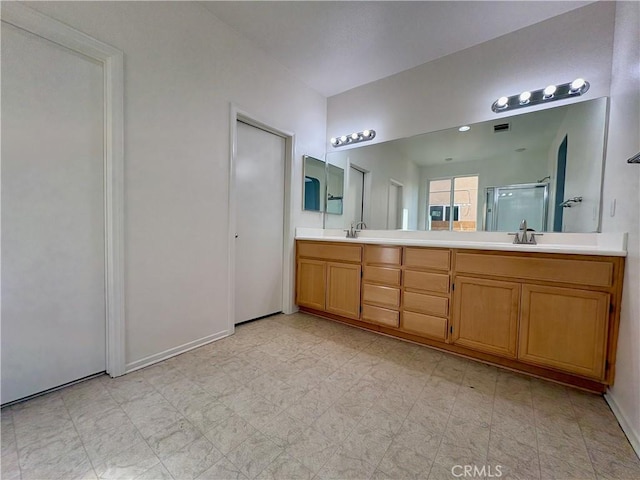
x: 353, y: 229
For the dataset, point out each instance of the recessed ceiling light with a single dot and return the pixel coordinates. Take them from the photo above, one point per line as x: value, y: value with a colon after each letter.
x: 464, y: 128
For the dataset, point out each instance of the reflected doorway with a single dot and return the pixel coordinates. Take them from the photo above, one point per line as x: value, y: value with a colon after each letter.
x: 395, y: 206
x: 355, y: 201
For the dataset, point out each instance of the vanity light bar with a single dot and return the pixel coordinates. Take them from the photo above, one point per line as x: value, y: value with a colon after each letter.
x: 363, y: 136
x: 549, y: 94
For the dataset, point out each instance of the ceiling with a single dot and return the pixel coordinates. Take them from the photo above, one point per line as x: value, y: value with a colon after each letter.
x: 336, y: 46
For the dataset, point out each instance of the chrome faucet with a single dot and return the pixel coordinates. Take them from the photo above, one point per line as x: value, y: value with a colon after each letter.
x: 524, y: 236
x: 353, y: 229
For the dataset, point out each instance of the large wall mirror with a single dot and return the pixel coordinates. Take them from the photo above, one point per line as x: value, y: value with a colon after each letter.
x: 544, y: 166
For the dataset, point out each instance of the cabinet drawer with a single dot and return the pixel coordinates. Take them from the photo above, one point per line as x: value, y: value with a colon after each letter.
x: 330, y: 251
x: 418, y: 302
x: 580, y: 272
x: 379, y: 295
x: 425, y: 325
x: 438, y: 259
x: 381, y: 316
x: 432, y: 282
x: 388, y: 276
x: 382, y: 255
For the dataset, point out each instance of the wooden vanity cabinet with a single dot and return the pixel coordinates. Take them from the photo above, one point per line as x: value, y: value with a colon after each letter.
x: 381, y: 281
x: 551, y: 311
x: 343, y: 289
x: 554, y: 316
x: 565, y: 328
x: 328, y: 277
x: 426, y: 292
x: 485, y: 315
x: 311, y: 283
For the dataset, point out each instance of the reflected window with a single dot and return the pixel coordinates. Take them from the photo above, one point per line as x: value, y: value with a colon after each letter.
x: 453, y: 204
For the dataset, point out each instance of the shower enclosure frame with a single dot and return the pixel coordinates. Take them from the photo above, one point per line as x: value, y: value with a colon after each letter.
x: 492, y: 195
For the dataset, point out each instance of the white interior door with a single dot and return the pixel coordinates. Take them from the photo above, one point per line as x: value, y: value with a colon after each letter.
x: 259, y: 185
x: 53, y: 255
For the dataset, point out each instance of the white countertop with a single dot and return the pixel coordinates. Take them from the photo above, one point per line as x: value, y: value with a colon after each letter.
x: 611, y: 244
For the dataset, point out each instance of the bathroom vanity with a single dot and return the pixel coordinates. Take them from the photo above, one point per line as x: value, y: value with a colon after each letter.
x: 551, y: 310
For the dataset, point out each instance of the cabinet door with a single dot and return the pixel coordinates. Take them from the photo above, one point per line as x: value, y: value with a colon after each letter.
x: 485, y: 315
x: 343, y: 289
x: 564, y: 328
x: 311, y: 284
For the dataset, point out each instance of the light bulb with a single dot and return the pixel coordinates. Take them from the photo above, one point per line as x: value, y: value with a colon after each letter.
x: 334, y: 140
x: 549, y: 91
x: 366, y: 133
x: 502, y: 102
x: 343, y: 138
x: 524, y: 97
x: 354, y: 136
x: 464, y: 128
x: 577, y: 84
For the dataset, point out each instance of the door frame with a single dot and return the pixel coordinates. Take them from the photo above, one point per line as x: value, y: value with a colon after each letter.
x: 288, y: 259
x: 32, y: 21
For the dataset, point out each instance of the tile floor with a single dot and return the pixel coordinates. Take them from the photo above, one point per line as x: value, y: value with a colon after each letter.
x: 298, y: 397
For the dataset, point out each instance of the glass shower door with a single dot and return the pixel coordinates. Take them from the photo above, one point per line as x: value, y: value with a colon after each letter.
x: 513, y: 203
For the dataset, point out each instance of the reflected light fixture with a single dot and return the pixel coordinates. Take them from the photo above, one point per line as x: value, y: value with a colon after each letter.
x: 353, y: 138
x: 464, y: 128
x: 535, y: 97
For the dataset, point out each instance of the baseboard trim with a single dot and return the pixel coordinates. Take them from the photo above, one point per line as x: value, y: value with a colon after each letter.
x: 172, y: 352
x: 627, y: 428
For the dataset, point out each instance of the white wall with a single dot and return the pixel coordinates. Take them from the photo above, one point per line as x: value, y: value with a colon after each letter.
x: 622, y: 184
x: 183, y: 67
x: 459, y: 89
x: 383, y: 164
x: 525, y: 167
